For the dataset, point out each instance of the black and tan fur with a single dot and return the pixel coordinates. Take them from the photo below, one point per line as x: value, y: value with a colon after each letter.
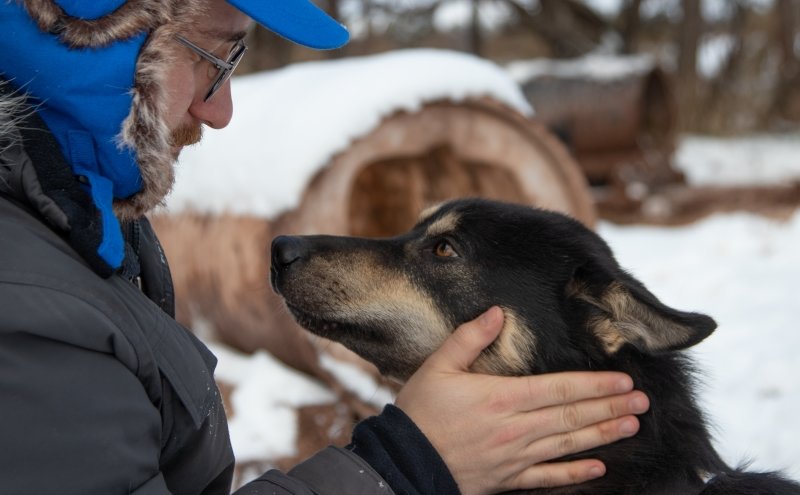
x: 568, y: 306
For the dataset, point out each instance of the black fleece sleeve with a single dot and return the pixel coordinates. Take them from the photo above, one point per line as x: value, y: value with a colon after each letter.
x: 393, y: 445
x: 389, y: 455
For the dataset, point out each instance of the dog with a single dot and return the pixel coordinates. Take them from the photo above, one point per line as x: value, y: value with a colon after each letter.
x: 568, y: 305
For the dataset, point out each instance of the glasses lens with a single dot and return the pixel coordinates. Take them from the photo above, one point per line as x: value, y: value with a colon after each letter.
x: 225, y: 73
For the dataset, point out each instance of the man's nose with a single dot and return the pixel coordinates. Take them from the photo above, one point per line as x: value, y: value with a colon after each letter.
x: 217, y: 111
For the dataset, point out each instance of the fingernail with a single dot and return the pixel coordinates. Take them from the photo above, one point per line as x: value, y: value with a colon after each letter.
x: 628, y: 427
x: 597, y: 471
x: 624, y: 385
x: 638, y: 405
x: 487, y: 318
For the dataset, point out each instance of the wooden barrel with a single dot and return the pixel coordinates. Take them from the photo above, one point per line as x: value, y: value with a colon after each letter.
x: 446, y: 150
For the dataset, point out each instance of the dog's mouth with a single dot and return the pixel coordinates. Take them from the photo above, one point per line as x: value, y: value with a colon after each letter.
x: 341, y: 331
x: 315, y: 324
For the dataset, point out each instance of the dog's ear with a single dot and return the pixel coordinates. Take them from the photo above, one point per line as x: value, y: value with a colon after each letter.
x: 622, y: 311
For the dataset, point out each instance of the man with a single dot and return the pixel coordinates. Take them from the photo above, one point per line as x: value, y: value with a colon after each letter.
x: 101, y: 390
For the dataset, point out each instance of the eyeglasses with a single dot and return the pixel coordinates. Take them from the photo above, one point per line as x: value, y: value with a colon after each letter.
x: 224, y: 68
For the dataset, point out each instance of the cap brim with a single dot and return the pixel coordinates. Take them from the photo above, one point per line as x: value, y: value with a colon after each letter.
x: 297, y: 20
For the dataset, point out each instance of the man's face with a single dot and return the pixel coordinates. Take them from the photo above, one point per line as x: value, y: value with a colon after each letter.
x: 190, y: 77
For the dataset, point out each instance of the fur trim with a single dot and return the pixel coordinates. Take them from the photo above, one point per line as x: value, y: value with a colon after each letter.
x: 144, y: 130
x: 12, y: 112
x: 132, y: 18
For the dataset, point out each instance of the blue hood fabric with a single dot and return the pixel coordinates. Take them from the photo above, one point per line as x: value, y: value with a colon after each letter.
x: 84, y: 91
x: 83, y: 95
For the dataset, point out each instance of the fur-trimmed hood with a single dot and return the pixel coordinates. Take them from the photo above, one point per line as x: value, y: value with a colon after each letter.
x: 122, y: 51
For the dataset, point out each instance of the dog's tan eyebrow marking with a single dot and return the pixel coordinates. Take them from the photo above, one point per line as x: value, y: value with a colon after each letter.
x: 443, y: 225
x: 428, y: 212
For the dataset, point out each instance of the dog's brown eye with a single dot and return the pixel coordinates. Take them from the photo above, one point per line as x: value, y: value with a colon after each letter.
x: 445, y: 250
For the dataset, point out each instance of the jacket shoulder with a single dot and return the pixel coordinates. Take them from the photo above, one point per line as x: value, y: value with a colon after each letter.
x: 49, y: 294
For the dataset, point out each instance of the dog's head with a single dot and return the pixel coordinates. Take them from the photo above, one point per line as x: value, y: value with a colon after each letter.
x: 567, y: 302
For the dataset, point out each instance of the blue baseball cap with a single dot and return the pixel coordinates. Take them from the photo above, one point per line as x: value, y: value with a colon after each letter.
x: 296, y: 20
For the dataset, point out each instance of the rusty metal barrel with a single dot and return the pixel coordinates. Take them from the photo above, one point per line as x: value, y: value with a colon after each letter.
x: 616, y: 114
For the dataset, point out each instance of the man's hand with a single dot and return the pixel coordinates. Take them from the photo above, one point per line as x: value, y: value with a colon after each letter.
x: 496, y: 433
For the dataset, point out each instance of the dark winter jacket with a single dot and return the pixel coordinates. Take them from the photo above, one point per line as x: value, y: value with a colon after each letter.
x: 103, y: 392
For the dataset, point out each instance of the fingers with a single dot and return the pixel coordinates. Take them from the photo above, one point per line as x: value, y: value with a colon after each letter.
x: 560, y: 474
x: 551, y: 474
x: 574, y: 416
x: 572, y: 442
x: 538, y: 391
x: 465, y: 344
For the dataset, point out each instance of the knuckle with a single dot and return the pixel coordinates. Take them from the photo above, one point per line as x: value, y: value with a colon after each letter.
x: 500, y: 402
x: 614, y: 409
x: 571, y: 417
x: 608, y: 432
x: 548, y: 479
x: 562, y: 390
x: 507, y: 434
x: 531, y: 382
x: 575, y: 474
x: 567, y: 444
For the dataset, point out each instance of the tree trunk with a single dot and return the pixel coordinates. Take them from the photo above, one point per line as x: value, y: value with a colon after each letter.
x: 631, y: 21
x: 688, y: 42
x: 569, y: 27
x: 721, y: 93
x: 475, y: 41
x: 787, y: 93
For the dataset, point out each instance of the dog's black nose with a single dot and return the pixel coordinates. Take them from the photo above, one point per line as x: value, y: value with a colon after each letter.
x: 286, y: 250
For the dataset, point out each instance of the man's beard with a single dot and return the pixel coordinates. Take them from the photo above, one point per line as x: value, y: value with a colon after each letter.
x: 186, y: 135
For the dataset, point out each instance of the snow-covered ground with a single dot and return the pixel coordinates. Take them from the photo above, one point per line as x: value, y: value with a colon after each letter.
x: 741, y: 269
x: 766, y: 159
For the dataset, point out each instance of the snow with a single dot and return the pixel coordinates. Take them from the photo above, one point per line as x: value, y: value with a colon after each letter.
x: 294, y: 120
x: 767, y: 159
x: 600, y: 67
x: 264, y: 399
x: 713, y: 53
x: 458, y: 15
x: 357, y: 381
x: 740, y: 269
